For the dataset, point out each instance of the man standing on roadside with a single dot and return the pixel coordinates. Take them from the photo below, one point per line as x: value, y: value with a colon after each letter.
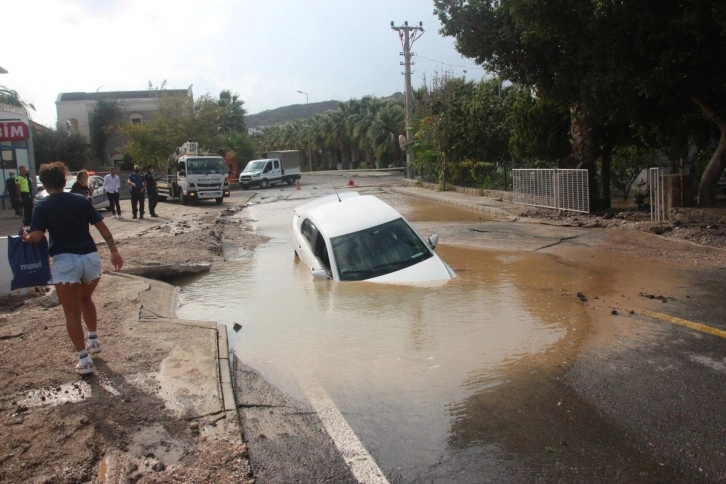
x: 25, y: 195
x: 112, y: 189
x: 151, y: 190
x: 11, y: 190
x: 138, y: 189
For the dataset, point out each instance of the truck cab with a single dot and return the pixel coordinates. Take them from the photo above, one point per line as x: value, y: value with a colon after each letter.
x: 194, y: 177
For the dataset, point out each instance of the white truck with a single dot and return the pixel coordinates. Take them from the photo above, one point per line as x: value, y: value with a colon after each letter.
x: 192, y: 177
x: 272, y: 168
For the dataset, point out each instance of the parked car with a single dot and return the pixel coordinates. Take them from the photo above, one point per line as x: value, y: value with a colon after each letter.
x: 95, y: 182
x: 353, y: 237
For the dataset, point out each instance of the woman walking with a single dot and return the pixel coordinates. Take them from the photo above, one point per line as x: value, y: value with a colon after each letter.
x: 81, y: 184
x: 76, y: 267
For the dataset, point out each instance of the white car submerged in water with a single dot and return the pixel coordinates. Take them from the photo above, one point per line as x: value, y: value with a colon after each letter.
x: 353, y: 237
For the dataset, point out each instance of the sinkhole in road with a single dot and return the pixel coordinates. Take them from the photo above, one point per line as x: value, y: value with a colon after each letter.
x: 404, y: 364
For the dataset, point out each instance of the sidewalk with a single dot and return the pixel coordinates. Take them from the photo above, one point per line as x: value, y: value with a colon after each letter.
x: 192, y: 377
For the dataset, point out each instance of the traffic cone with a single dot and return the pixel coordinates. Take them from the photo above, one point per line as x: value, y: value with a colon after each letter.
x: 351, y: 184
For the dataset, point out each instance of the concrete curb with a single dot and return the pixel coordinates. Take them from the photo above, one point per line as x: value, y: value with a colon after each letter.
x: 489, y: 206
x: 158, y: 305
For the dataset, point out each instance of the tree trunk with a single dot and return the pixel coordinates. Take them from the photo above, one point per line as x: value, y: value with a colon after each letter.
x: 709, y: 180
x: 606, y: 156
x: 584, y: 149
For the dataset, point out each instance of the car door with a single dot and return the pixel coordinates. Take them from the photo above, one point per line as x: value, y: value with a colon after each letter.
x: 97, y: 196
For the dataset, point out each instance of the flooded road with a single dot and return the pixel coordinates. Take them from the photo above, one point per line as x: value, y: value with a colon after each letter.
x: 426, y: 377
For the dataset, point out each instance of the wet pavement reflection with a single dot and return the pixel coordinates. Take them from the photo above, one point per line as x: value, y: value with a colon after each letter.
x: 415, y: 370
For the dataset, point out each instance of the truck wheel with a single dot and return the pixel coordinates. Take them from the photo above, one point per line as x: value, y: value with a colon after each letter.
x: 264, y: 184
x: 184, y: 199
x: 288, y: 180
x: 162, y: 198
x: 219, y: 200
x: 245, y: 187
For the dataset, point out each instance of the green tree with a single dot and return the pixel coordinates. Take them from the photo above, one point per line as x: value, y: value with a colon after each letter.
x: 58, y: 145
x: 384, y: 131
x: 216, y: 124
x: 232, y: 113
x: 539, y: 131
x: 614, y: 63
x: 103, y: 123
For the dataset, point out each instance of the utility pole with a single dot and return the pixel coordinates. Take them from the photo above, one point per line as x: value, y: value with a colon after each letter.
x: 310, y: 158
x: 408, y: 36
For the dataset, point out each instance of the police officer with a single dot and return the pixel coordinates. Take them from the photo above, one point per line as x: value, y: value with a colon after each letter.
x: 137, y: 184
x: 151, y: 190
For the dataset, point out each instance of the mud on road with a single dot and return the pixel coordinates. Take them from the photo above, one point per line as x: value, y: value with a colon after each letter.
x: 113, y: 427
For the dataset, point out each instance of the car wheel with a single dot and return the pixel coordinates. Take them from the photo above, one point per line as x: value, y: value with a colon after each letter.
x: 219, y: 200
x: 264, y: 184
x: 184, y: 199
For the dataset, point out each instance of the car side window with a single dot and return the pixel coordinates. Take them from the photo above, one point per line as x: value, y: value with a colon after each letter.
x: 277, y: 164
x: 309, y: 231
x: 321, y: 252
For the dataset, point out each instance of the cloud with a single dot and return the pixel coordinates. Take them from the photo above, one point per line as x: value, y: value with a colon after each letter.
x: 263, y: 51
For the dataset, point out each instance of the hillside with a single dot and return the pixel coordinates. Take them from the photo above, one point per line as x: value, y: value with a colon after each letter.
x: 289, y: 114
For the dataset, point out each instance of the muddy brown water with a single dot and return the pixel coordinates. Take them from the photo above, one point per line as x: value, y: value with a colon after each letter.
x: 403, y: 363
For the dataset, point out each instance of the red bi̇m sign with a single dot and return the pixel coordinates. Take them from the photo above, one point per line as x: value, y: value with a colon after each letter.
x: 13, y: 131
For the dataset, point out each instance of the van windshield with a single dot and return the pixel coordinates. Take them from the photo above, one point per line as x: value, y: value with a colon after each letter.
x: 206, y: 166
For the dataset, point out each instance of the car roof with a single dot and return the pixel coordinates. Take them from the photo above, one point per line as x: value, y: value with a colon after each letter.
x: 349, y: 213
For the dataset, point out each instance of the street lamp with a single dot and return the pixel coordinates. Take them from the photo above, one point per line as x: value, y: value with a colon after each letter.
x: 310, y: 159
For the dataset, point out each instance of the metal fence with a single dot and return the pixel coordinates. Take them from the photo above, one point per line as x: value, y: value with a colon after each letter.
x: 656, y: 189
x: 551, y: 188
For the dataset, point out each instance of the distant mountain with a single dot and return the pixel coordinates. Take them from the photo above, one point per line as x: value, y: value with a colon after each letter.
x: 289, y: 114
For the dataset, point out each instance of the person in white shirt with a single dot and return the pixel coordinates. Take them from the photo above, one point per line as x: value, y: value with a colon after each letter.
x: 111, y: 187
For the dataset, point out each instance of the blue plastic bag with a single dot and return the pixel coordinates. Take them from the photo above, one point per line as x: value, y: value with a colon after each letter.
x: 30, y: 263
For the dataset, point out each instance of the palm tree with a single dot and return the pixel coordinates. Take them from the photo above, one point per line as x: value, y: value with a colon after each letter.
x: 337, y: 135
x: 12, y: 98
x: 232, y: 113
x: 362, y: 122
x: 389, y: 122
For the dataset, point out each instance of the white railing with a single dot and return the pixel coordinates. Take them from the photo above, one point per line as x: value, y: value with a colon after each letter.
x: 551, y: 188
x: 656, y: 188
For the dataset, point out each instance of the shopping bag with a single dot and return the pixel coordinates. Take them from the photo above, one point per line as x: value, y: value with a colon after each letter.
x: 30, y: 263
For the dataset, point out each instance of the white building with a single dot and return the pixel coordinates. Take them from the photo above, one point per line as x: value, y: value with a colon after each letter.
x: 74, y: 110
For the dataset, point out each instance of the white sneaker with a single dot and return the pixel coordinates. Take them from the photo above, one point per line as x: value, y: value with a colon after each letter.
x: 93, y: 345
x: 85, y: 367
x: 114, y: 215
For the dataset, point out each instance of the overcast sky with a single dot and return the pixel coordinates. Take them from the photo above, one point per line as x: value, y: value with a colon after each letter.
x: 263, y: 50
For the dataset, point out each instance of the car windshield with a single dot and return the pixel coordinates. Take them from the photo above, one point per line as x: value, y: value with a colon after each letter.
x: 206, y: 166
x: 377, y: 251
x: 253, y: 166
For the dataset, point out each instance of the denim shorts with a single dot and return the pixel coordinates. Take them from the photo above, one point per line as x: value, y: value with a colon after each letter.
x: 72, y: 268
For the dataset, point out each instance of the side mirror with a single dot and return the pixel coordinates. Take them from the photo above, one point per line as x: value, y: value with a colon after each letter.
x: 434, y: 240
x: 320, y: 274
